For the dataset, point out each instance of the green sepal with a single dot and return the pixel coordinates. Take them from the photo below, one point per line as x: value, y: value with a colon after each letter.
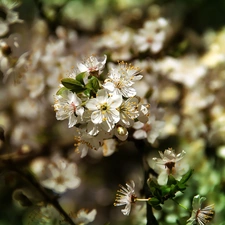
x: 93, y: 84
x: 171, y: 180
x: 173, y: 190
x: 61, y: 90
x: 80, y: 77
x: 154, y: 201
x: 186, y: 177
x: 87, y: 92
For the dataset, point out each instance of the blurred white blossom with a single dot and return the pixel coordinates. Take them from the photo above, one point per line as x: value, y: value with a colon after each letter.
x: 169, y: 163
x: 61, y: 175
x: 83, y: 217
x: 152, y: 36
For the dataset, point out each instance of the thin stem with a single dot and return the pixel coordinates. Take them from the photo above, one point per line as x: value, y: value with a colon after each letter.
x: 142, y: 199
x: 49, y: 199
x: 182, y: 206
x: 141, y: 146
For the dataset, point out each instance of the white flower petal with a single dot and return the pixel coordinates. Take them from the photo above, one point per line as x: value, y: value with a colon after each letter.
x: 162, y: 178
x: 92, y: 104
x: 140, y: 134
x: 109, y: 86
x: 96, y: 117
x: 72, y: 120
x: 115, y: 101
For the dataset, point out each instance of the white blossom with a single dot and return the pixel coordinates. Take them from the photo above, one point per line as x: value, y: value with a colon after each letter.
x: 150, y: 130
x: 170, y: 164
x: 121, y: 79
x: 152, y: 36
x: 104, y: 109
x: 126, y: 196
x: 62, y: 175
x: 68, y: 105
x: 83, y: 217
x: 93, y: 65
x: 186, y: 70
x: 200, y: 215
x: 129, y: 111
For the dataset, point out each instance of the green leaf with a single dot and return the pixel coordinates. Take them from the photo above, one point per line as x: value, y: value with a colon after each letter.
x: 61, y: 90
x: 71, y: 83
x: 181, y: 187
x: 186, y: 177
x: 93, y: 84
x: 78, y: 89
x: 80, y: 77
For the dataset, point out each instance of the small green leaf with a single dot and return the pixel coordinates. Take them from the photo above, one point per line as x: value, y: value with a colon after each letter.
x: 181, y: 186
x: 80, y: 77
x: 61, y: 90
x: 71, y: 83
x: 93, y: 84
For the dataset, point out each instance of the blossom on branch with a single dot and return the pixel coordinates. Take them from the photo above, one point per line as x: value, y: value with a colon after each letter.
x: 170, y: 164
x: 61, y: 175
x: 121, y: 79
x: 200, y: 215
x: 152, y: 36
x: 68, y: 105
x: 104, y: 109
x: 126, y: 196
x: 93, y: 65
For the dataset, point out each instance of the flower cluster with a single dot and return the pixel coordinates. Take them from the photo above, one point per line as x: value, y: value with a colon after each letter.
x: 100, y: 109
